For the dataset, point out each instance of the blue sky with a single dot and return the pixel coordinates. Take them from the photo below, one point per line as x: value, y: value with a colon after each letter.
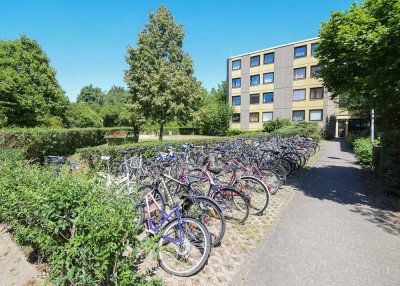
x: 87, y: 40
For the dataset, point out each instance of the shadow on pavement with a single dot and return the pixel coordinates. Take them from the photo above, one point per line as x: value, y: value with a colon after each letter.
x: 346, y: 185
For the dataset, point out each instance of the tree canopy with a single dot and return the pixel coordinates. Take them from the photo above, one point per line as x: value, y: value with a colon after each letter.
x: 91, y: 94
x: 160, y: 75
x: 359, y: 55
x: 30, y: 94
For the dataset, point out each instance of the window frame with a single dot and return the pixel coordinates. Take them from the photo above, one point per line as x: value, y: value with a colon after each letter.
x: 240, y: 65
x: 240, y: 82
x: 305, y: 94
x: 238, y: 113
x: 298, y: 47
x: 258, y: 117
x: 251, y: 84
x: 313, y: 50
x: 273, y: 58
x: 270, y: 92
x: 304, y: 115
x: 273, y: 77
x: 240, y: 100
x: 305, y: 73
x: 311, y: 71
x: 315, y: 88
x: 322, y: 115
x: 259, y: 61
x: 258, y: 96
x: 272, y: 117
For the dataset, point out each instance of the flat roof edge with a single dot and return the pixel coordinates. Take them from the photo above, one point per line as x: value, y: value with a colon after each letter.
x: 275, y: 47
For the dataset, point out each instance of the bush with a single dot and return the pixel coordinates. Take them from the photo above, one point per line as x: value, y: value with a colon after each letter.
x: 38, y: 142
x: 304, y: 129
x: 81, y: 115
x: 363, y: 151
x: 215, y: 118
x: 233, y: 132
x: 272, y: 125
x: 83, y: 237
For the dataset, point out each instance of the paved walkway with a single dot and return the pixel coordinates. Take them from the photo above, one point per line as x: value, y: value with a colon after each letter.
x: 334, y: 232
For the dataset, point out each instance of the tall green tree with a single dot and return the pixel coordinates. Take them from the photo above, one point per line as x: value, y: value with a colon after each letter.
x: 116, y: 94
x: 30, y: 94
x: 81, y: 115
x: 160, y: 75
x: 91, y: 94
x: 359, y: 55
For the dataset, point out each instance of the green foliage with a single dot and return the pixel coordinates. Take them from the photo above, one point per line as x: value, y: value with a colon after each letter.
x: 361, y: 45
x: 161, y: 76
x: 38, y: 142
x: 116, y: 94
x: 90, y: 94
x: 363, y: 151
x: 275, y: 124
x: 233, y: 132
x: 110, y: 114
x: 304, y: 129
x: 81, y: 115
x: 214, y: 116
x: 29, y: 92
x: 84, y: 237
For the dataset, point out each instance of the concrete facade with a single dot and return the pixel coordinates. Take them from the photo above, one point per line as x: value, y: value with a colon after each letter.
x: 282, y: 87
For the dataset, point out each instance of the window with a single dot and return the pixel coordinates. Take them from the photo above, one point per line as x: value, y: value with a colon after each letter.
x: 314, y: 71
x: 267, y: 116
x: 299, y: 73
x: 236, y: 65
x: 254, y: 117
x: 255, y: 79
x: 299, y: 94
x: 255, y: 98
x: 236, y: 100
x: 255, y: 61
x: 269, y: 58
x: 300, y: 52
x: 268, y: 97
x: 316, y: 93
x: 313, y: 47
x: 268, y: 77
x: 236, y: 117
x: 236, y: 82
x: 316, y: 115
x: 298, y: 115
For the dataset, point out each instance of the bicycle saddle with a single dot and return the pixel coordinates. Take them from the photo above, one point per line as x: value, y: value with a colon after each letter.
x: 215, y: 171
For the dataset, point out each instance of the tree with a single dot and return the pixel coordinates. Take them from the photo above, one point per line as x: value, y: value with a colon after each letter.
x: 116, y: 94
x: 160, y: 75
x: 359, y: 55
x: 214, y: 116
x: 81, y: 115
x: 29, y: 91
x: 110, y: 113
x: 90, y: 94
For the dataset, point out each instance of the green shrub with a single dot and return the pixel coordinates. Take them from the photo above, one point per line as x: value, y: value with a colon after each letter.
x: 38, y: 142
x: 363, y: 151
x: 304, y: 129
x: 69, y: 221
x: 233, y: 132
x: 80, y: 115
x: 275, y: 124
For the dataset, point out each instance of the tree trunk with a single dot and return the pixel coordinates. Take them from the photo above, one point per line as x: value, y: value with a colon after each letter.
x: 161, y: 131
x: 136, y: 131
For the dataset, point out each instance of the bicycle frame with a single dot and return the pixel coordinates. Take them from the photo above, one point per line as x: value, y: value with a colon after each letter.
x: 154, y: 228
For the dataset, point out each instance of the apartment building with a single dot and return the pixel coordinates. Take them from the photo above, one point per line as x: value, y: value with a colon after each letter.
x: 281, y: 82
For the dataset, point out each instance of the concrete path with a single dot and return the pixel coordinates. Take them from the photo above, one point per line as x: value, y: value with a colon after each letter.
x: 334, y: 232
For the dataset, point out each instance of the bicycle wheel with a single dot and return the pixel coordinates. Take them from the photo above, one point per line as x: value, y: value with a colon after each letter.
x: 187, y: 258
x: 159, y: 197
x: 233, y: 203
x: 270, y: 179
x: 256, y: 193
x: 208, y: 212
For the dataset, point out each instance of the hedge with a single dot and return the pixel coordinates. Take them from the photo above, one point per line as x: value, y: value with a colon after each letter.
x: 70, y: 222
x: 38, y: 142
x: 304, y: 129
